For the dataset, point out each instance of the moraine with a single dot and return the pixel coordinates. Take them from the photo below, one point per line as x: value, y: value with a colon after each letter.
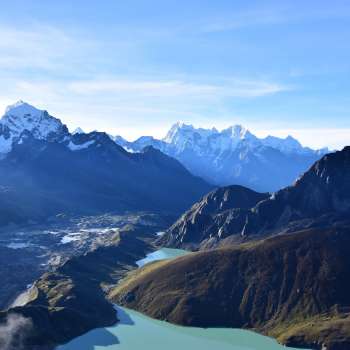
x: 136, y: 331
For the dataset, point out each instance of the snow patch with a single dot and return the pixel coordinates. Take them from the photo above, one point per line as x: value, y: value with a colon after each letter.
x: 5, y: 144
x: 130, y: 150
x: 73, y: 147
x: 78, y: 131
x: 286, y: 145
x: 18, y: 245
x: 69, y: 239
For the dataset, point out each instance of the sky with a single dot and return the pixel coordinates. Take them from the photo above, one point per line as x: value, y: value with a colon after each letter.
x: 135, y: 67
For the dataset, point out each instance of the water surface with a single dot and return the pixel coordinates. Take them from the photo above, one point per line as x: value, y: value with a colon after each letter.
x: 139, y: 332
x: 161, y: 254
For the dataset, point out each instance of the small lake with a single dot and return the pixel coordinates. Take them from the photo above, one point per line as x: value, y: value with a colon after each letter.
x: 161, y: 254
x: 136, y: 331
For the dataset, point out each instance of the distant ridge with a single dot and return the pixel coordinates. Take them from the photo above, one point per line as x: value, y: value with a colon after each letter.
x: 233, y: 155
x: 320, y: 197
x: 45, y: 170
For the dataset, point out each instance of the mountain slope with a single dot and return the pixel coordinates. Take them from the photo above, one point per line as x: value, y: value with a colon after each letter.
x: 293, y: 287
x: 320, y: 196
x: 70, y: 300
x: 207, y: 216
x: 46, y: 173
x: 233, y: 156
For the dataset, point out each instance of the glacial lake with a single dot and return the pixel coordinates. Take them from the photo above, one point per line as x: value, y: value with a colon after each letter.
x: 161, y: 254
x: 136, y: 331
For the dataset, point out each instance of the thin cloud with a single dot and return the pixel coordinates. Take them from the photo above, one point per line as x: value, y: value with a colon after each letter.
x: 241, y: 20
x: 42, y: 47
x: 134, y: 116
x: 261, y: 16
x: 131, y: 107
x: 174, y: 88
x: 38, y: 47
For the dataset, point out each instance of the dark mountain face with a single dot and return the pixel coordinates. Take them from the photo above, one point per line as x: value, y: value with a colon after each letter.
x: 320, y: 196
x: 294, y: 287
x: 88, y: 173
x: 323, y: 190
x: 206, y: 216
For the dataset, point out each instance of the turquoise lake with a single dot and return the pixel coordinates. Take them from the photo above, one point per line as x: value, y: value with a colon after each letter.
x: 137, y: 331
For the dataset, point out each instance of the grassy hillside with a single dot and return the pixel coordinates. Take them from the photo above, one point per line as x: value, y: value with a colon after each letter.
x: 293, y: 287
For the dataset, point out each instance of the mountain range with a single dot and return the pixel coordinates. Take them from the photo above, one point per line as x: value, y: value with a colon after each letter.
x: 292, y: 285
x: 279, y: 265
x: 274, y: 262
x: 233, y: 155
x: 45, y: 170
x: 321, y: 196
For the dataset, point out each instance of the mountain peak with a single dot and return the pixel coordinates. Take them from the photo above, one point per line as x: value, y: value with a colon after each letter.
x: 177, y: 129
x: 78, y: 131
x: 180, y: 133
x: 238, y: 132
x: 20, y: 117
x: 183, y: 125
x: 21, y: 108
x: 286, y: 145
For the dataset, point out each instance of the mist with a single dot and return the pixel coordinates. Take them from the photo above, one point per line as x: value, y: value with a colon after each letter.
x: 14, y: 331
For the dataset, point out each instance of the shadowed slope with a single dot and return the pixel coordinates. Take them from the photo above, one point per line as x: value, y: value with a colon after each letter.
x: 320, y: 197
x: 39, y: 179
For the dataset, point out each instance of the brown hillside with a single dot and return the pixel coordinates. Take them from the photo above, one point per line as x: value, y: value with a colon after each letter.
x: 294, y: 287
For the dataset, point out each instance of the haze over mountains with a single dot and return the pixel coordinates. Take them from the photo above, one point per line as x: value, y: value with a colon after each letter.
x: 176, y: 175
x: 52, y: 170
x: 45, y: 170
x: 233, y: 155
x: 281, y: 286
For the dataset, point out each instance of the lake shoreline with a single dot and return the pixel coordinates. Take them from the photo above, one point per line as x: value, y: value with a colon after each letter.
x: 148, y: 329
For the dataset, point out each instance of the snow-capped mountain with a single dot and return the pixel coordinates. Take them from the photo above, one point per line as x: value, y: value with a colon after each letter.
x: 233, y: 155
x: 45, y: 170
x: 22, y: 120
x: 21, y: 117
x: 182, y: 136
x: 78, y: 131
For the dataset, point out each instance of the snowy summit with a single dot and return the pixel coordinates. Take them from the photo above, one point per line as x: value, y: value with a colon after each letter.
x: 21, y: 117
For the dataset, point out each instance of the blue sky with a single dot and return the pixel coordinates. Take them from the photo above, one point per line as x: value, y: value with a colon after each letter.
x: 136, y: 67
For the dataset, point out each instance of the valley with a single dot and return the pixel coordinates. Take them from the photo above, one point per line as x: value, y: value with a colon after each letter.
x: 27, y: 251
x: 292, y: 287
x: 86, y: 225
x: 135, y: 329
x: 174, y: 175
x: 69, y: 300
